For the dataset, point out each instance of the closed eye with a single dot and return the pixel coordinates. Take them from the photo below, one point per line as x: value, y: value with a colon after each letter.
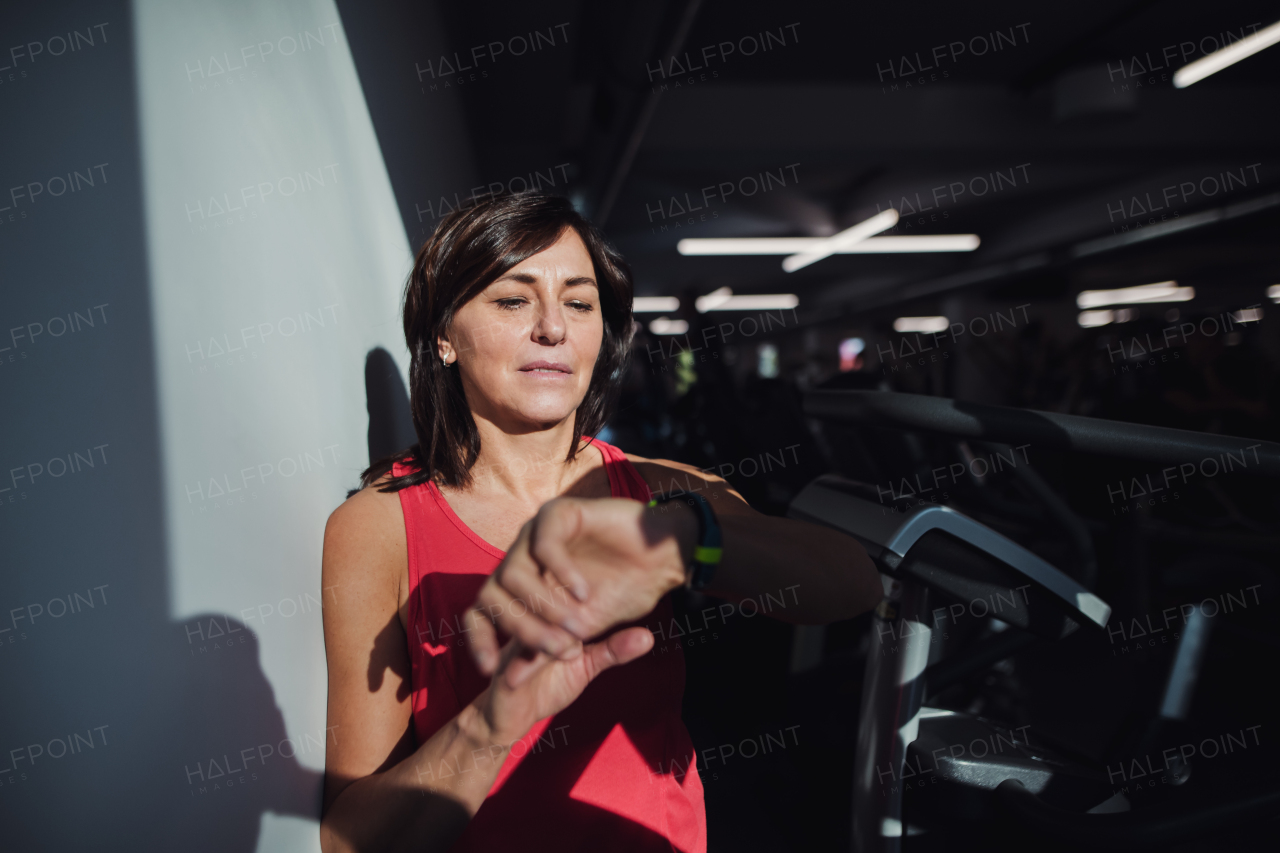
x: 514, y: 303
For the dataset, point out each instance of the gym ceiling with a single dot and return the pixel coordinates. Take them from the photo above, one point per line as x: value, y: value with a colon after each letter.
x: 1011, y: 121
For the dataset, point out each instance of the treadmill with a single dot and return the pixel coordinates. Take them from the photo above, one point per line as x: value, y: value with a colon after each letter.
x: 934, y: 550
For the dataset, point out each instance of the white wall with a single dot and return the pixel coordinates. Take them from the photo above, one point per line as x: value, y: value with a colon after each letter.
x: 245, y: 250
x: 277, y: 259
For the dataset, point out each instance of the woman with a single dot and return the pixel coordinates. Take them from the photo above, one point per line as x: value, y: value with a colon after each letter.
x: 568, y: 736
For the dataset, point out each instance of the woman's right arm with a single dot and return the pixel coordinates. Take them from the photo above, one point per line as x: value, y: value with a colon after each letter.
x: 374, y: 798
x: 383, y: 792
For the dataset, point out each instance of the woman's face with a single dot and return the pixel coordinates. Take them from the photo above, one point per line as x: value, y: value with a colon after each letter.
x: 527, y: 343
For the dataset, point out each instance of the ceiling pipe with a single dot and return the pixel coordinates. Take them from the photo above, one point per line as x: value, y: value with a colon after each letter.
x: 640, y: 126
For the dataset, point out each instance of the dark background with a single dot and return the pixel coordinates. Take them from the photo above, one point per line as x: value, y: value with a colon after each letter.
x: 1087, y: 132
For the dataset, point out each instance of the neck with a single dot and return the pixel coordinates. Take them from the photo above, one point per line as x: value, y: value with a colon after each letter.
x: 529, y: 466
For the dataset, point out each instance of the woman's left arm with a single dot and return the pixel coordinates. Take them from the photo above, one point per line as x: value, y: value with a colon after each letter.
x: 617, y: 558
x: 822, y: 575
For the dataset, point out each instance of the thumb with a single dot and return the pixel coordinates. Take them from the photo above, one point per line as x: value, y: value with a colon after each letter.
x: 618, y: 648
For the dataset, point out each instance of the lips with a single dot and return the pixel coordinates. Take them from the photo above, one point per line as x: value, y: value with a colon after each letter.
x: 545, y: 367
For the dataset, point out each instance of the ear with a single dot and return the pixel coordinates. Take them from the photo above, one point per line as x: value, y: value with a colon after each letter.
x: 444, y: 350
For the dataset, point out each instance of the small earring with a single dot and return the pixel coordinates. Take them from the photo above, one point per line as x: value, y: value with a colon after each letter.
x: 444, y: 360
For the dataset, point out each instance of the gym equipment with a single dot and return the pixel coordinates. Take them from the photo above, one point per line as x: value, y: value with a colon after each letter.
x: 935, y: 551
x: 1045, y: 429
x: 938, y: 549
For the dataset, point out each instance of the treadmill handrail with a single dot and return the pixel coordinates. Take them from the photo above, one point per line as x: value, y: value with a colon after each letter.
x: 1002, y: 548
x: 824, y: 501
x: 1044, y: 429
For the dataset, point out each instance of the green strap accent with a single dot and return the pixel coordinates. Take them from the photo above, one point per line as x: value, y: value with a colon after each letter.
x: 704, y: 554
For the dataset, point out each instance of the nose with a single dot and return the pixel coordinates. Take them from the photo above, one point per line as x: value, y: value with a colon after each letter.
x: 549, y: 327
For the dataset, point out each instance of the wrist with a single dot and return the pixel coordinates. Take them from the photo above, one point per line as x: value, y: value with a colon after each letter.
x: 678, y: 525
x: 477, y: 726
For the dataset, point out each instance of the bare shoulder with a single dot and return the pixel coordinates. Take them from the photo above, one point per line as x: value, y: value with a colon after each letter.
x: 364, y: 541
x: 368, y: 663
x: 665, y: 475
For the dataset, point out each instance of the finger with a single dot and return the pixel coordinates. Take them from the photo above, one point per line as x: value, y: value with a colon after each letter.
x: 528, y: 627
x: 539, y: 593
x: 524, y: 578
x: 618, y: 648
x: 484, y: 640
x: 558, y: 522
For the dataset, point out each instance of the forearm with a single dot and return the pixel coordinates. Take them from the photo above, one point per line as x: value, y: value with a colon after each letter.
x: 821, y: 574
x: 424, y: 802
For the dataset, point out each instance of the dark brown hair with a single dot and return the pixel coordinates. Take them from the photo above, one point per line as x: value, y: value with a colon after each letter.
x: 469, y: 249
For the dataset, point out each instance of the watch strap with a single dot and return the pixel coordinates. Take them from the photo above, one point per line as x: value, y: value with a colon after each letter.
x: 709, y: 549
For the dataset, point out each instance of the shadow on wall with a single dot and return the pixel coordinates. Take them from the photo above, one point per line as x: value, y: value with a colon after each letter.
x: 249, y: 764
x: 186, y: 747
x: 164, y: 734
x: 390, y: 421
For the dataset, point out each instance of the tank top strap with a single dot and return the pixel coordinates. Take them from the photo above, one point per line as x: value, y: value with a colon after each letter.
x: 422, y: 521
x: 624, y: 480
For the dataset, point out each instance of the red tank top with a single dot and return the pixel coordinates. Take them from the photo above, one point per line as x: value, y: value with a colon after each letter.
x: 615, y: 771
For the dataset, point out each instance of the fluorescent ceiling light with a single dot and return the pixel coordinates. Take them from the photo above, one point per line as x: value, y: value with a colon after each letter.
x: 1229, y: 55
x: 892, y: 244
x: 920, y: 324
x: 1247, y: 315
x: 713, y: 300
x: 758, y: 302
x: 667, y: 326
x: 1273, y: 293
x: 722, y: 299
x: 1093, y: 319
x: 1164, y: 291
x: 654, y: 304
x: 848, y: 237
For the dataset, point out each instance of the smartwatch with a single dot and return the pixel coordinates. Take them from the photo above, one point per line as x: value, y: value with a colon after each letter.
x: 707, y: 552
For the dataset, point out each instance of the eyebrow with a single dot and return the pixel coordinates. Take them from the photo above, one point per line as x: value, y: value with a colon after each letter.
x: 528, y: 278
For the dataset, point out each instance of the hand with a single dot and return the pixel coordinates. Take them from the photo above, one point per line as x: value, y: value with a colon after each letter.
x: 529, y: 686
x: 578, y: 568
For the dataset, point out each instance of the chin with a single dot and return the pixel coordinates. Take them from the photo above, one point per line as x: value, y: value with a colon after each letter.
x: 546, y: 412
x: 547, y: 417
